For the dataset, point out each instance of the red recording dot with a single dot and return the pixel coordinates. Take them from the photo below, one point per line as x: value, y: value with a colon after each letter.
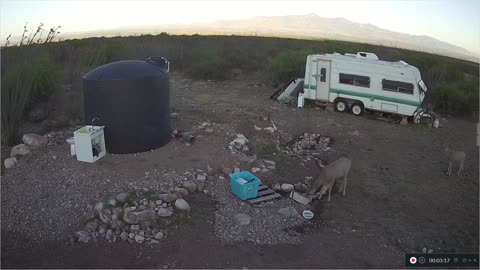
x: 413, y: 260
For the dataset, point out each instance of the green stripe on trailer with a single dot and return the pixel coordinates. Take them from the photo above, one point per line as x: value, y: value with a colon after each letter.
x: 366, y: 95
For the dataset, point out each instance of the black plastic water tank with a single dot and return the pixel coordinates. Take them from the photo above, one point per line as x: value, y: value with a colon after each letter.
x: 132, y: 100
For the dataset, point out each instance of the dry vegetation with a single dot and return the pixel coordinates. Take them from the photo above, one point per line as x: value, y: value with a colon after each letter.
x: 51, y: 90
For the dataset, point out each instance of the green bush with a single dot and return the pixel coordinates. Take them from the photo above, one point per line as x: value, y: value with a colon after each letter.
x: 289, y: 65
x: 207, y: 65
x: 456, y: 98
x: 45, y: 77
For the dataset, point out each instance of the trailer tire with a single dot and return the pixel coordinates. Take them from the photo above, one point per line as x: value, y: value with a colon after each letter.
x: 341, y: 105
x: 357, y: 108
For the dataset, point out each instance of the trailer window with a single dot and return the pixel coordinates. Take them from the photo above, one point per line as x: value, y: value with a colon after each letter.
x: 356, y: 80
x: 395, y: 86
x: 323, y: 72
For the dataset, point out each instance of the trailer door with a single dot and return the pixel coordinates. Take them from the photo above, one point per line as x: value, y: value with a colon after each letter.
x: 321, y: 76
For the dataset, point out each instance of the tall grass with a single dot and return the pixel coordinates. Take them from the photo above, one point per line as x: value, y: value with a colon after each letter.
x: 16, y: 89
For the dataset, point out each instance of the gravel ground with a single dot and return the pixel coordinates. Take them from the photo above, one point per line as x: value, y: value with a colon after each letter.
x: 267, y: 226
x: 46, y: 195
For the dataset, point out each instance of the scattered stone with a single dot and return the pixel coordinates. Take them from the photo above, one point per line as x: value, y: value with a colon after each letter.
x: 181, y: 192
x: 264, y: 170
x: 19, y: 150
x: 158, y: 236
x: 174, y: 115
x: 98, y: 208
x: 91, y: 226
x: 271, y: 167
x: 101, y: 231
x: 34, y: 140
x: 269, y: 130
x: 153, y: 241
x: 158, y: 202
x: 105, y: 216
x: 288, y: 211
x: 209, y: 130
x: 242, y: 219
x: 287, y: 187
x: 255, y: 169
x: 167, y: 197
x: 300, y: 187
x: 109, y: 235
x: 270, y: 162
x: 424, y: 250
x: 135, y: 228
x: 10, y: 162
x: 131, y: 235
x: 122, y: 197
x: 201, y: 177
x: 112, y: 202
x: 142, y: 207
x: 190, y: 184
x: 146, y: 224
x: 83, y: 236
x: 141, y: 233
x: 124, y: 236
x: 236, y: 170
x: 430, y: 251
x: 226, y: 170
x: 182, y: 205
x: 139, y: 239
x: 165, y: 212
x: 277, y: 187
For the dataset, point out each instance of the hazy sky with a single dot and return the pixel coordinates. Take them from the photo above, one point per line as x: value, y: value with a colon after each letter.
x: 453, y: 21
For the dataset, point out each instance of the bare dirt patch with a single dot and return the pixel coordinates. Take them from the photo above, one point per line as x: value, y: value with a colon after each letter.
x: 399, y: 198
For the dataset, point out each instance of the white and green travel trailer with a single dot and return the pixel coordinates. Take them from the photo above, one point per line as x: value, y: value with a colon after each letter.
x: 355, y: 82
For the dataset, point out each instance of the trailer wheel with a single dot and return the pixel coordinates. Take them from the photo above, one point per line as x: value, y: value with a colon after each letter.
x: 357, y: 108
x: 340, y: 105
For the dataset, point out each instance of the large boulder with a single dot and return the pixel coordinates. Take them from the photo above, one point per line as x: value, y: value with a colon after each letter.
x: 131, y: 217
x: 190, y: 186
x: 19, y: 150
x: 34, y: 140
x: 10, y: 162
x: 182, y: 205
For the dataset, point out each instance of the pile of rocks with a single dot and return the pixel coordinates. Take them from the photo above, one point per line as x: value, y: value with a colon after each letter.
x: 209, y: 127
x: 265, y: 166
x: 133, y: 217
x: 309, y: 145
x: 239, y: 144
x: 30, y: 141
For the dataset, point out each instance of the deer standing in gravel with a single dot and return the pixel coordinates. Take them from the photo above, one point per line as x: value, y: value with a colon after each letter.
x: 328, y: 175
x: 455, y: 156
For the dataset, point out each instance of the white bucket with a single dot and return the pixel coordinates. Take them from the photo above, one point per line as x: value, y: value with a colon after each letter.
x: 301, y: 100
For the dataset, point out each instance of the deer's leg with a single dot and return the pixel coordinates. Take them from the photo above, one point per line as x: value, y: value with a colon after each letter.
x: 330, y: 189
x: 461, y: 167
x: 449, y: 171
x: 344, y: 184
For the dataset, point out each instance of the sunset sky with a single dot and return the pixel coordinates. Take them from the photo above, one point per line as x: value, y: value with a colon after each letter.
x: 456, y: 22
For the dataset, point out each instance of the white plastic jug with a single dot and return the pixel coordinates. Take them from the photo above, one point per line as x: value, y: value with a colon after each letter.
x: 301, y: 100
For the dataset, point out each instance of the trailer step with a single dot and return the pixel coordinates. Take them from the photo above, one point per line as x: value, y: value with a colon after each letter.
x: 264, y: 194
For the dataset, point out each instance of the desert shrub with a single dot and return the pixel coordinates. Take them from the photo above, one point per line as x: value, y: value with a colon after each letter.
x: 456, y: 98
x: 288, y: 65
x: 16, y: 88
x: 207, y: 65
x: 45, y: 76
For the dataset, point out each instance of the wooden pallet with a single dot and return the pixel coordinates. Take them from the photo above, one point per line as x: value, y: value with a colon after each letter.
x: 264, y: 194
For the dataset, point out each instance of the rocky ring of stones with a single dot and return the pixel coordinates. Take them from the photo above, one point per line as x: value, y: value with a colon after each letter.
x: 308, y: 144
x: 136, y: 216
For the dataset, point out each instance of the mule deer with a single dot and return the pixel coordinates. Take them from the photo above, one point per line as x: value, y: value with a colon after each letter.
x: 328, y: 175
x: 454, y: 156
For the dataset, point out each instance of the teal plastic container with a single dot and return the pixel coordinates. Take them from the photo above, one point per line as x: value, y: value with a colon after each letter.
x: 247, y: 190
